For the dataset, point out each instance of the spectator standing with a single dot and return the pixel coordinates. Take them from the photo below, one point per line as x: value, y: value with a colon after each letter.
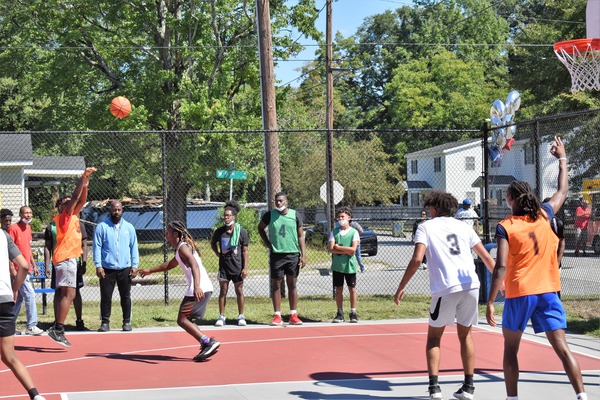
x: 9, y: 252
x: 5, y: 221
x: 230, y: 244
x: 453, y: 282
x: 287, y: 254
x: 583, y: 213
x: 526, y: 260
x: 466, y: 214
x: 6, y: 218
x: 116, y: 257
x: 359, y: 228
x: 49, y: 244
x: 22, y: 236
x: 344, y: 242
x: 66, y: 253
x: 199, y: 290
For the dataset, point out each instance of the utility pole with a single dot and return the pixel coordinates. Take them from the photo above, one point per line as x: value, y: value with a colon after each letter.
x: 269, y: 111
x: 329, y: 116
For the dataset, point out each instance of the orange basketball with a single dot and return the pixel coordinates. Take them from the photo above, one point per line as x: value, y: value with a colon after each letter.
x: 120, y: 107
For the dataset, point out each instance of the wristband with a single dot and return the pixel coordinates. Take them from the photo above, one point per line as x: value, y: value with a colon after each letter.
x: 562, y: 158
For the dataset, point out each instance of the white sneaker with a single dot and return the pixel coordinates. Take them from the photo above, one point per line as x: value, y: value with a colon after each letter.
x: 34, y: 331
x: 220, y: 321
x: 241, y: 321
x: 39, y: 397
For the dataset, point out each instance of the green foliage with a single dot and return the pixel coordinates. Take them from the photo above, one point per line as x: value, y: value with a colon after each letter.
x: 36, y: 225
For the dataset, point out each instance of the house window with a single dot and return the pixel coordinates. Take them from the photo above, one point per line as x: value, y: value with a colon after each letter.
x: 528, y: 155
x: 499, y: 196
x: 437, y: 164
x: 470, y: 163
x: 414, y: 166
x: 414, y: 199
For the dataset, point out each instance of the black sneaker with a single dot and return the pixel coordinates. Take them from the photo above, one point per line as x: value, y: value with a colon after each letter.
x: 435, y: 393
x: 208, y: 350
x: 104, y: 327
x: 465, y: 392
x: 58, y: 337
x: 338, y: 318
x: 80, y: 325
x: 353, y: 317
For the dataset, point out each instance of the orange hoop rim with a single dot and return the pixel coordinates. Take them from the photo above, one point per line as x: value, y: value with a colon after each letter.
x: 568, y: 46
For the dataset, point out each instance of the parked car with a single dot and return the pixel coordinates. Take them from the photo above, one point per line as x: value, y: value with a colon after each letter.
x: 317, y: 236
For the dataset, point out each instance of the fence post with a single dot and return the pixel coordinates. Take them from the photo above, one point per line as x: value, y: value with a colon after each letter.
x: 485, y: 204
x: 163, y: 144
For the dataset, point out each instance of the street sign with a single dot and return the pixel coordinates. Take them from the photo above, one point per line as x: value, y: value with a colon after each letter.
x: 229, y: 174
x: 338, y: 192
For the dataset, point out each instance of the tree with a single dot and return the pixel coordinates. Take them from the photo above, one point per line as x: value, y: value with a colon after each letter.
x: 183, y: 64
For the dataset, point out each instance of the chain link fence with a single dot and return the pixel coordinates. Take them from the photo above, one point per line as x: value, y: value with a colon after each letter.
x: 384, y: 177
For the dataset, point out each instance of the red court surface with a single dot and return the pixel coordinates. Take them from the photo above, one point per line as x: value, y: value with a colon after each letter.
x: 354, y: 357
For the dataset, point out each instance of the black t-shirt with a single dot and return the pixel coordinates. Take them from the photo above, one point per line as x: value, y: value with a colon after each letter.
x: 230, y: 261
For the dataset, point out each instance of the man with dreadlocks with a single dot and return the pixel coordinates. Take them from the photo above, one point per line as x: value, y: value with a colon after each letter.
x: 453, y: 282
x: 527, y: 263
x: 199, y: 289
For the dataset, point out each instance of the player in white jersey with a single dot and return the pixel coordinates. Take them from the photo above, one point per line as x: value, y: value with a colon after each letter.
x: 453, y: 282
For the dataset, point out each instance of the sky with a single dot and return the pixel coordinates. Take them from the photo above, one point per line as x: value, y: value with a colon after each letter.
x: 347, y: 16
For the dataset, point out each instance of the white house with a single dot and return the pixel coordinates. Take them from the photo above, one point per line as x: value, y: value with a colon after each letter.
x: 20, y: 170
x: 457, y: 168
x: 452, y: 167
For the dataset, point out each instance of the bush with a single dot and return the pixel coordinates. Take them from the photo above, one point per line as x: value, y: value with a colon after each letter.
x: 36, y: 225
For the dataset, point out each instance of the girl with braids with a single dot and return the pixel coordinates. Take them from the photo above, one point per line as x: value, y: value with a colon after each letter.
x: 454, y: 285
x: 527, y: 263
x: 199, y: 290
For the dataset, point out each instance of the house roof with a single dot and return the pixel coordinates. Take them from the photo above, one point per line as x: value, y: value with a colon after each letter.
x: 15, y: 149
x: 495, y: 180
x: 418, y: 185
x: 443, y: 147
x: 55, y: 166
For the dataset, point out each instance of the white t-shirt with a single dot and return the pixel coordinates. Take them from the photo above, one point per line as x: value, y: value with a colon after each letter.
x: 205, y: 283
x: 449, y: 260
x: 466, y: 216
x: 344, y: 232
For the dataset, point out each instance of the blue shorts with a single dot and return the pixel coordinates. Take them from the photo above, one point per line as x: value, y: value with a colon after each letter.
x: 545, y: 311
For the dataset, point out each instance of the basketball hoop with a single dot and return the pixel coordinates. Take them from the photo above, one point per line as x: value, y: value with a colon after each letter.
x: 582, y: 59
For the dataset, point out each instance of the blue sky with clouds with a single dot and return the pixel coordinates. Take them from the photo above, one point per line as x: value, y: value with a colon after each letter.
x: 347, y: 16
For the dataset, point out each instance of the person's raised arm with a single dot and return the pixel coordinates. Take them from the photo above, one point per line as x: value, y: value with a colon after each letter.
x: 79, y: 196
x: 558, y: 198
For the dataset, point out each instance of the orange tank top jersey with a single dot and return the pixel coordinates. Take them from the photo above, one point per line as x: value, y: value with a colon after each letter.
x: 68, y: 238
x: 532, y: 264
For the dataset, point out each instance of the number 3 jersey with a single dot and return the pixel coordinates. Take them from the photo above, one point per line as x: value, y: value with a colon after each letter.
x: 532, y: 264
x: 449, y: 258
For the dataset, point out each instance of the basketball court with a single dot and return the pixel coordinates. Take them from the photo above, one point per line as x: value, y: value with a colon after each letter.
x: 368, y: 360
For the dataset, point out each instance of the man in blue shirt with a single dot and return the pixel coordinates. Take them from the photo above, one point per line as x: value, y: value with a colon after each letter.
x: 116, y: 257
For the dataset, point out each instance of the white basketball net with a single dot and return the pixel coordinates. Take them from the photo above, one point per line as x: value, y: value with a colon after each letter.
x: 584, y: 67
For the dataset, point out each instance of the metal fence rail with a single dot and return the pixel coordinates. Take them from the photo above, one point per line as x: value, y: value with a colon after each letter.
x: 142, y: 167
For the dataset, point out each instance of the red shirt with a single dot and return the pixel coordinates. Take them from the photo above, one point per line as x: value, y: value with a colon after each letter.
x: 22, y: 237
x: 582, y: 216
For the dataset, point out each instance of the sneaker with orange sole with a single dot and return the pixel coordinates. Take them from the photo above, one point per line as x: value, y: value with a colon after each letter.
x: 277, y: 320
x: 294, y: 320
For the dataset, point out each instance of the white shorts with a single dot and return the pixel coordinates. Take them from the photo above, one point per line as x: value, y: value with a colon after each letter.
x: 66, y: 273
x: 461, y: 307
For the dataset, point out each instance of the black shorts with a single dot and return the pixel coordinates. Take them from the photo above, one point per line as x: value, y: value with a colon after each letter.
x: 190, y: 308
x: 339, y: 277
x: 225, y: 277
x: 7, y: 319
x: 284, y: 264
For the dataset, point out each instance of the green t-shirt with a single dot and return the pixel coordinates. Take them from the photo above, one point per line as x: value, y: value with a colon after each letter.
x: 283, y: 232
x: 343, y: 262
